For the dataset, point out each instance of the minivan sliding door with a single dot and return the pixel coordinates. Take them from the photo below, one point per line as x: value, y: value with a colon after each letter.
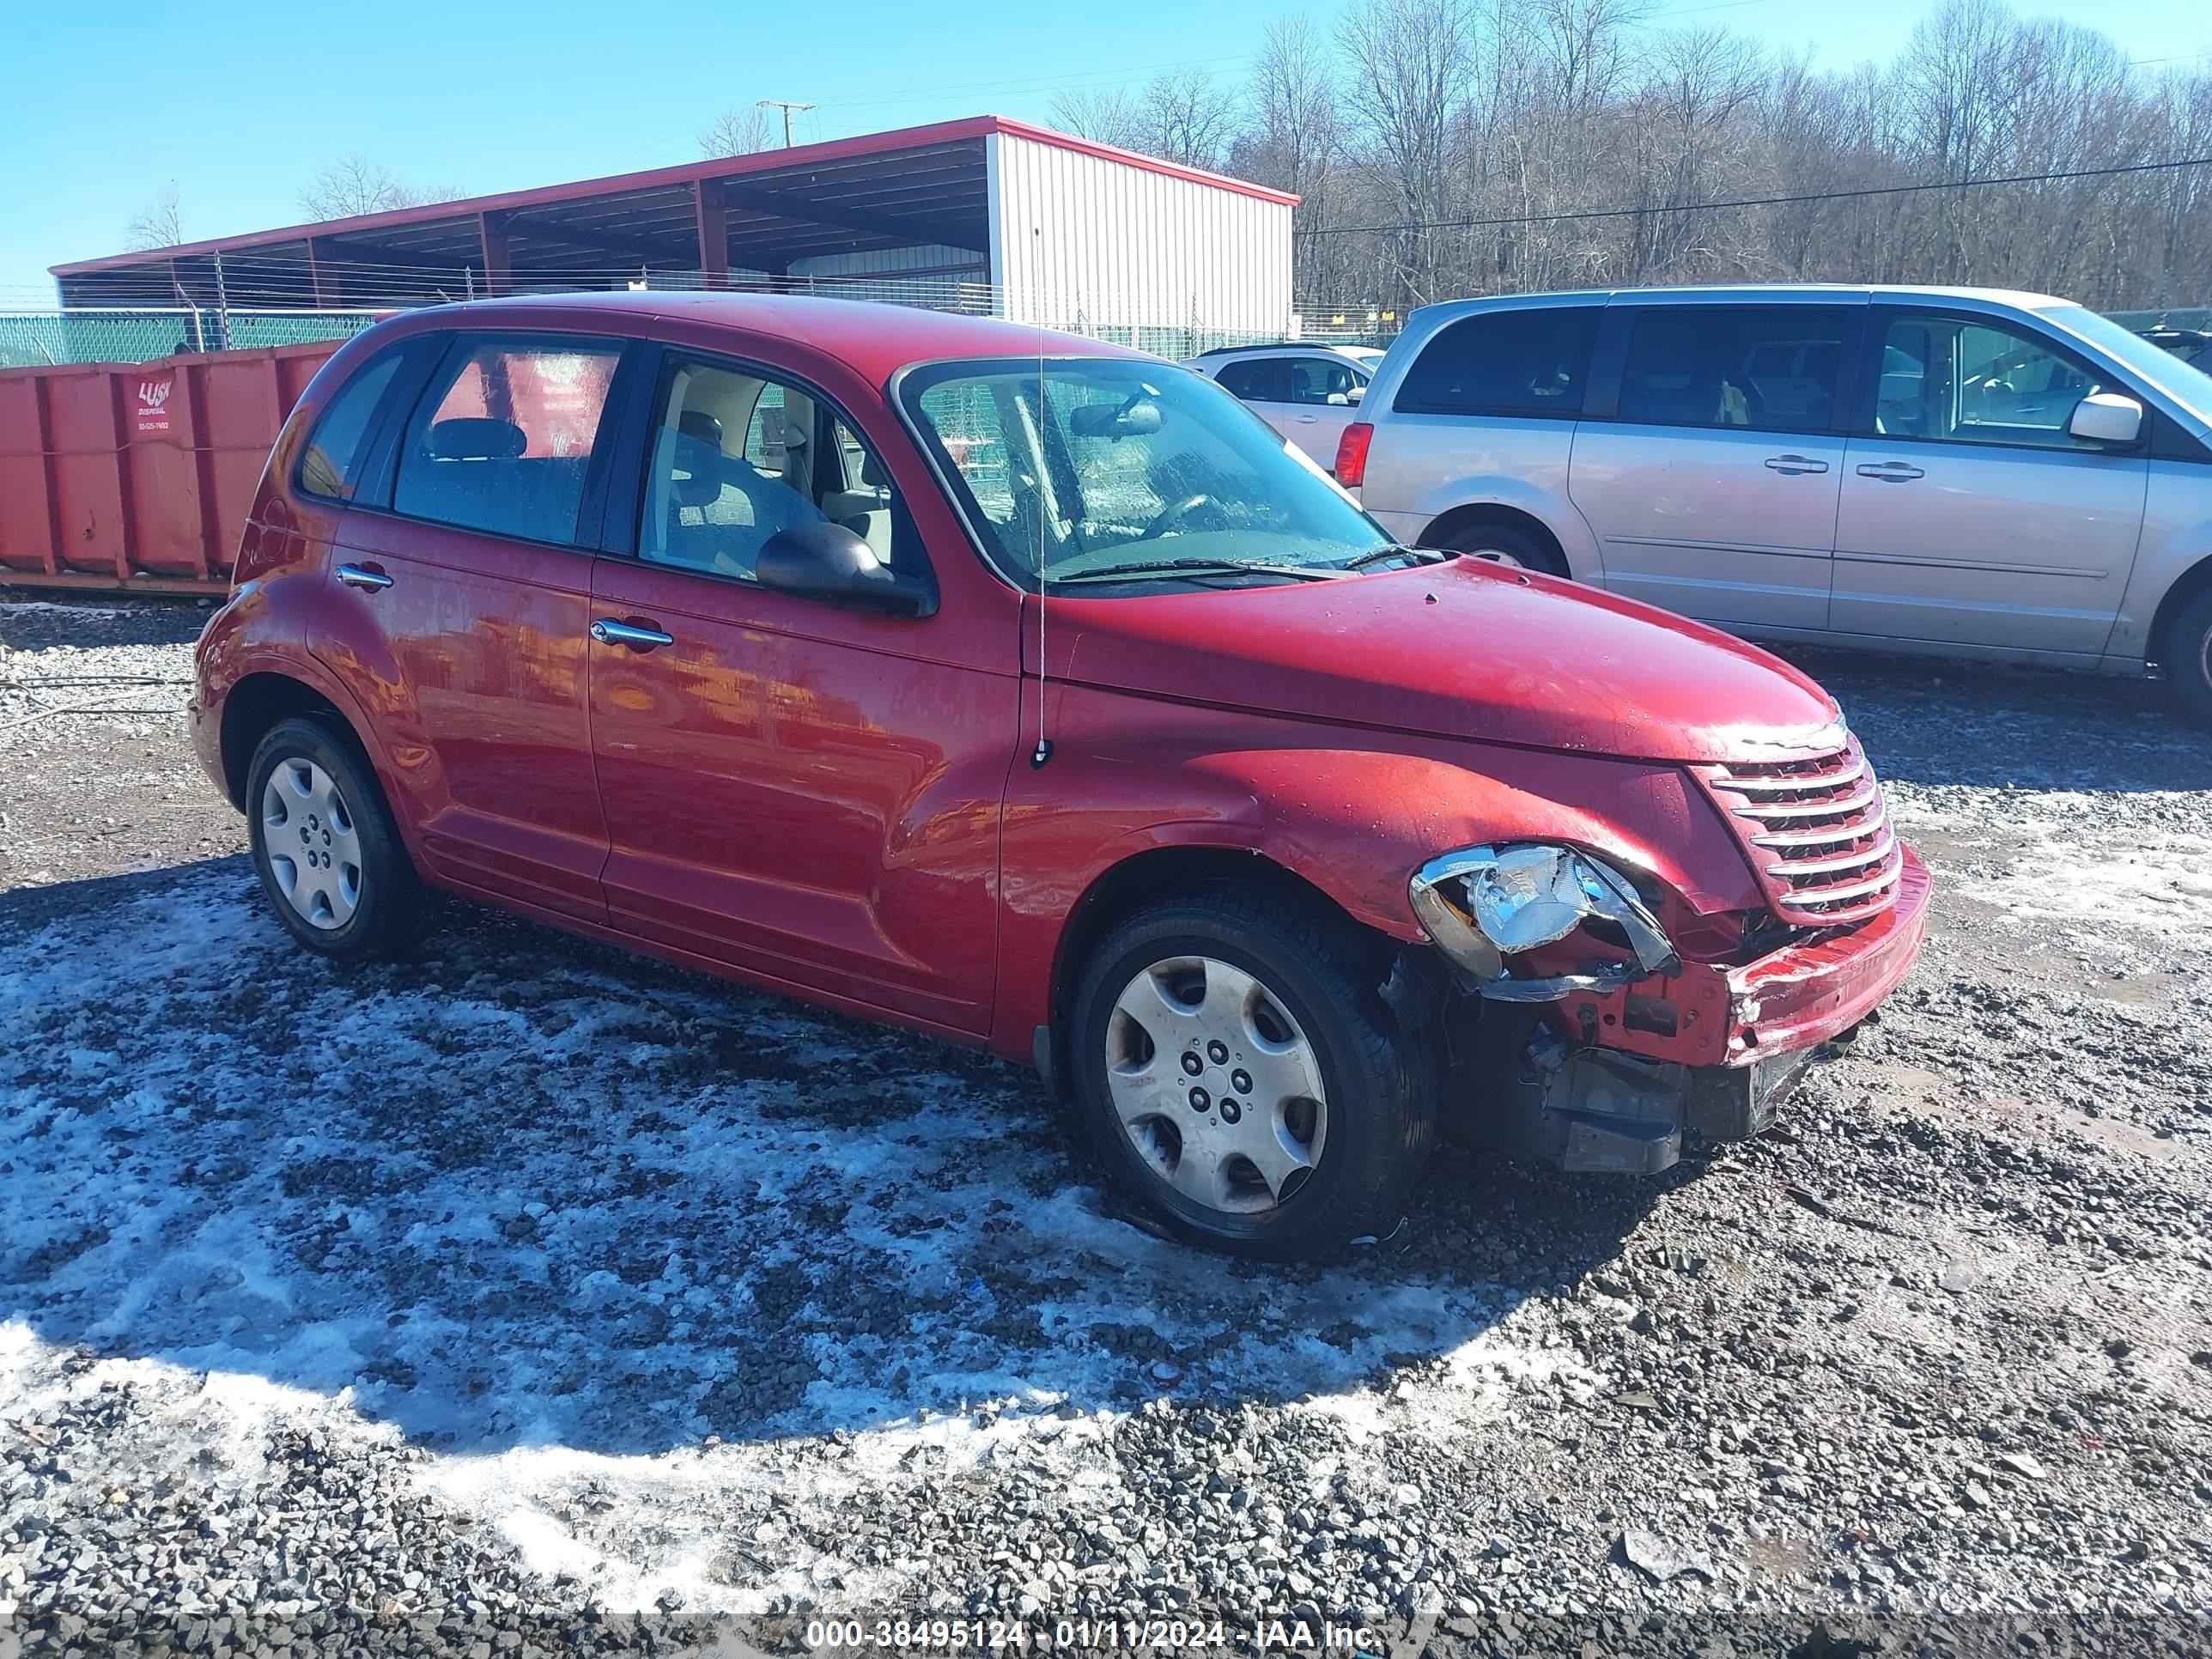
x: 1710, y: 453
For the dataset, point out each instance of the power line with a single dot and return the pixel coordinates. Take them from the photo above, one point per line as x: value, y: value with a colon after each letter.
x: 1754, y: 201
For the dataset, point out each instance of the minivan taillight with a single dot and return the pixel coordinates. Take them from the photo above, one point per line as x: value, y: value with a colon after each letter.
x: 1352, y: 454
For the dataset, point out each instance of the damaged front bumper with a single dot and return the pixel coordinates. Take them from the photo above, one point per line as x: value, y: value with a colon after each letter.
x: 1613, y: 1077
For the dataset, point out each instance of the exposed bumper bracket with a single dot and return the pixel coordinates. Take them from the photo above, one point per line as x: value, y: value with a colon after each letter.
x: 1603, y: 1111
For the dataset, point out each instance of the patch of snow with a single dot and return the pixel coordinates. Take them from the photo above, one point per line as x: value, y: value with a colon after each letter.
x: 554, y: 1217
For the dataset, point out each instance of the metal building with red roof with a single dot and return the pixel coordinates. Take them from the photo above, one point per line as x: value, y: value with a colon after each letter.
x: 985, y: 214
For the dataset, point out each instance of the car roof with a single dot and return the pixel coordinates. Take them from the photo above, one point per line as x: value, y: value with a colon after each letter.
x: 873, y: 338
x: 1279, y: 345
x: 2017, y: 298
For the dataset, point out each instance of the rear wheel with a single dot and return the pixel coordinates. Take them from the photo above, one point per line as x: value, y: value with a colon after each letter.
x: 1243, y: 1079
x: 328, y: 854
x: 1507, y: 544
x: 2187, y: 653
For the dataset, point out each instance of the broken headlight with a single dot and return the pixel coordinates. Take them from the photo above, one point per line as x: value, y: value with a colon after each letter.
x: 1486, y: 904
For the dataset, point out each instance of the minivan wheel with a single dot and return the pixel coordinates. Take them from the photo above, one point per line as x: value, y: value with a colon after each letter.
x: 1243, y: 1079
x: 1508, y: 545
x: 2187, y: 653
x: 329, y: 856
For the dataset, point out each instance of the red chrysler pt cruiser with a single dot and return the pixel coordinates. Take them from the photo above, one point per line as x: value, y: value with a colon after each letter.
x: 1032, y: 693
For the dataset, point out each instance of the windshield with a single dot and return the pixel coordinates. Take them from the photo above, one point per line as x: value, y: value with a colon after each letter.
x: 2186, y: 383
x: 1127, y: 463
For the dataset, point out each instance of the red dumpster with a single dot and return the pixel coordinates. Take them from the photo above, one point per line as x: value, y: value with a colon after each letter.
x: 139, y: 475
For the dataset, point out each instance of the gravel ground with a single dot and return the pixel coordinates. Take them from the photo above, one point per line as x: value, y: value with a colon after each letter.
x: 530, y: 1296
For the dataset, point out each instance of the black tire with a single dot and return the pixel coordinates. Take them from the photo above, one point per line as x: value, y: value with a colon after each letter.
x: 393, y: 908
x: 1507, y: 542
x: 2187, y: 650
x: 1379, y: 1108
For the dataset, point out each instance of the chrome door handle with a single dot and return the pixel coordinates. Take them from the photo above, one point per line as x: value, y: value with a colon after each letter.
x: 1891, y: 472
x: 1794, y: 463
x: 607, y: 631
x: 354, y: 575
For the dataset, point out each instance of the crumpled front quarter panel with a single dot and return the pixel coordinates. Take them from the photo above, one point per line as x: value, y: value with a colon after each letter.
x: 1352, y: 813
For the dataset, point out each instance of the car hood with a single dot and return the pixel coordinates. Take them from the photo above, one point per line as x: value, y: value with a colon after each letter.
x: 1467, y: 649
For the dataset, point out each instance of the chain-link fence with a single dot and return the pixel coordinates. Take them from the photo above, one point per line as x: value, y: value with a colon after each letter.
x: 35, y: 338
x: 103, y: 336
x: 88, y: 334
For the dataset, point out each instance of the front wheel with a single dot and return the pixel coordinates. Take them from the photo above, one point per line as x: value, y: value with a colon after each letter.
x: 2187, y: 653
x: 1243, y: 1078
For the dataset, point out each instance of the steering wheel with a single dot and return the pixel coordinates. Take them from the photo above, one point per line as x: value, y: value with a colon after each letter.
x: 1169, y: 517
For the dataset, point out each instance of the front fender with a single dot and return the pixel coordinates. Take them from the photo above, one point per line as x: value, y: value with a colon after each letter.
x: 1351, y: 811
x: 2176, y: 539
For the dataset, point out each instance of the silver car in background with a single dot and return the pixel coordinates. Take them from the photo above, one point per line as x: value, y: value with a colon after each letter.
x: 1958, y: 471
x: 1306, y: 392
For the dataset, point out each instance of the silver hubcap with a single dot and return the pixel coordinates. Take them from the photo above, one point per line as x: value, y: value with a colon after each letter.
x: 1494, y: 555
x: 314, y: 851
x: 1216, y: 1086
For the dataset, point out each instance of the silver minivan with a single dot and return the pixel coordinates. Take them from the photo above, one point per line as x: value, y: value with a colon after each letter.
x: 1958, y: 471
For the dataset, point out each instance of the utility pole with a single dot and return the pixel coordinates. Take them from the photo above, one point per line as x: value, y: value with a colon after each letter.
x: 786, y: 106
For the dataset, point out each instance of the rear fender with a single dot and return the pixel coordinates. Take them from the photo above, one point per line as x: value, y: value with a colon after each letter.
x: 263, y: 630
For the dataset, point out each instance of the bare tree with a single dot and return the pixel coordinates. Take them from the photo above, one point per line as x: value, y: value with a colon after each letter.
x: 741, y: 130
x: 1295, y: 142
x: 160, y: 223
x: 353, y: 186
x: 1411, y: 68
x: 1191, y: 118
x: 1106, y: 114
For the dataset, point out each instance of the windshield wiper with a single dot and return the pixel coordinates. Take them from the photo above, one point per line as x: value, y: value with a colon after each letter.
x: 1418, y: 555
x: 1194, y: 567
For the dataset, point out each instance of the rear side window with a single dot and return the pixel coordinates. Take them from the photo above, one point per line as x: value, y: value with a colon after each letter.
x: 1521, y: 361
x: 1773, y: 368
x: 503, y: 437
x: 331, y: 466
x: 1257, y: 379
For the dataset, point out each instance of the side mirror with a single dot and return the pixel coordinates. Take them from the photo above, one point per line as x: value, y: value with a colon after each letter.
x: 1356, y: 394
x: 2106, y: 418
x: 825, y: 562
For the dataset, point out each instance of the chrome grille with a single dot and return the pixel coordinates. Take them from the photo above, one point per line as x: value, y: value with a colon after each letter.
x: 1817, y: 833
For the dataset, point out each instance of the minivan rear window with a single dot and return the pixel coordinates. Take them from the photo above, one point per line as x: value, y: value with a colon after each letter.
x: 1521, y: 361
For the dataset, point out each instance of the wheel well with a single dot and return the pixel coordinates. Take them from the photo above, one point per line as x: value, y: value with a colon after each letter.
x: 2191, y: 582
x: 1491, y: 515
x: 252, y: 710
x: 1164, y: 872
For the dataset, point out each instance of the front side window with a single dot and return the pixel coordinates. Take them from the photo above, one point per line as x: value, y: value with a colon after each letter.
x: 1978, y: 382
x: 501, y: 440
x: 1120, y: 462
x: 1773, y: 368
x: 330, y: 466
x: 1526, y: 360
x: 738, y: 456
x: 1323, y: 381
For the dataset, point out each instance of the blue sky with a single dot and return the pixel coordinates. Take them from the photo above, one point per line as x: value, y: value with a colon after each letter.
x: 239, y: 102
